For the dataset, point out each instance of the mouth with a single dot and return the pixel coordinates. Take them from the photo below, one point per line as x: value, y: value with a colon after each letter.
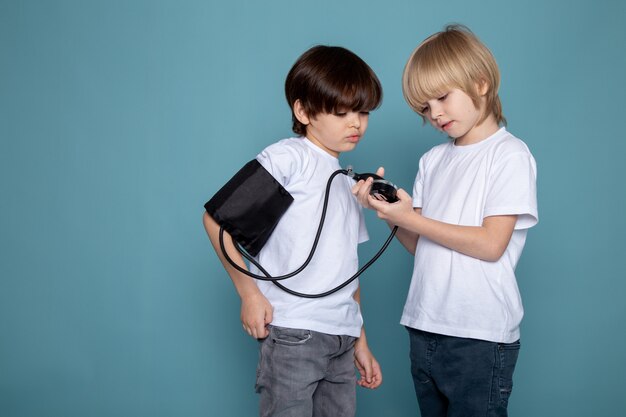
x: 353, y: 138
x: 446, y: 126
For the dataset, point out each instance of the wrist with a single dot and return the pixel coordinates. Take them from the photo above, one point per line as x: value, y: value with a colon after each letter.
x: 360, y: 344
x: 413, y: 222
x: 249, y: 292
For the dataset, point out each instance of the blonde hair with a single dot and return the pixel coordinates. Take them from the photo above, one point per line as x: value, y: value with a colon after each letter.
x: 452, y: 58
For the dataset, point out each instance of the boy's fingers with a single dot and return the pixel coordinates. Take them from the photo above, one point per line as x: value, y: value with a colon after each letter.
x: 366, y: 371
x: 379, y: 376
x: 360, y: 188
x: 359, y: 368
x: 259, y: 331
x: 375, y: 203
x: 357, y: 187
x: 401, y: 193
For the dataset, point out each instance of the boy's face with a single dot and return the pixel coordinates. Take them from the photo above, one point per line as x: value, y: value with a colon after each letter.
x: 455, y: 114
x: 337, y: 132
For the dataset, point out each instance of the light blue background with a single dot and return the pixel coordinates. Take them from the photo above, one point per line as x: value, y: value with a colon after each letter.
x: 119, y: 119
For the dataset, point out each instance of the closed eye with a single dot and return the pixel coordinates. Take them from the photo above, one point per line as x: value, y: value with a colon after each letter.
x: 343, y: 114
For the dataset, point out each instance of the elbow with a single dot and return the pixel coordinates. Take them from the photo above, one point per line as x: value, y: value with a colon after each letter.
x: 211, y: 227
x: 492, y: 258
x: 493, y: 253
x: 206, y: 221
x: 411, y: 248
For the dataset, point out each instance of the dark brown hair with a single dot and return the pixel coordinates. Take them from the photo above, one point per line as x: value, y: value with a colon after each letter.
x: 328, y: 79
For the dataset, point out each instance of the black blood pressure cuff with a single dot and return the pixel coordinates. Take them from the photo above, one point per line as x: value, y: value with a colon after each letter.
x: 249, y: 206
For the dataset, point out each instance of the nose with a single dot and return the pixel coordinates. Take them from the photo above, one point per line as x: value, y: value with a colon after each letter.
x: 355, y: 120
x: 436, y: 110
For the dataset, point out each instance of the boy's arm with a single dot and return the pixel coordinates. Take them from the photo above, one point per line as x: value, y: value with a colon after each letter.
x: 256, y: 311
x: 406, y: 237
x: 486, y: 242
x: 362, y: 192
x: 366, y: 363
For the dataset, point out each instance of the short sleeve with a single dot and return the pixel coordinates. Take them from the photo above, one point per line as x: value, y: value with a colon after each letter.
x: 513, y: 189
x: 363, y: 234
x: 418, y: 186
x: 280, y: 161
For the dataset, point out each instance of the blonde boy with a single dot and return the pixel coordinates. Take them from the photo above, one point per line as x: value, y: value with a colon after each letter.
x: 474, y: 199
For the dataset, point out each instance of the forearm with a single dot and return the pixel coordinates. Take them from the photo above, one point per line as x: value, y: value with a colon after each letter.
x: 244, y: 284
x: 366, y: 364
x: 486, y: 242
x: 362, y: 340
x: 407, y: 238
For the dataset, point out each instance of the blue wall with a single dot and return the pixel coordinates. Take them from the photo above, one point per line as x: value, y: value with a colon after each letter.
x: 118, y: 119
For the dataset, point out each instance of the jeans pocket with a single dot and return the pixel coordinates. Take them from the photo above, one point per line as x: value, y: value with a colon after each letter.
x: 507, y: 358
x: 289, y: 337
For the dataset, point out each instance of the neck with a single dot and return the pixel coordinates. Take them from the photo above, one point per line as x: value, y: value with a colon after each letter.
x: 478, y: 133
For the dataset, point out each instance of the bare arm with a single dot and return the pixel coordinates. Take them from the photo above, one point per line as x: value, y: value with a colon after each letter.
x: 407, y: 238
x: 486, y: 242
x: 366, y: 363
x: 361, y: 190
x: 256, y: 311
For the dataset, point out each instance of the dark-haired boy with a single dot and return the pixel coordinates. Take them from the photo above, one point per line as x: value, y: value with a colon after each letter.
x: 308, y: 347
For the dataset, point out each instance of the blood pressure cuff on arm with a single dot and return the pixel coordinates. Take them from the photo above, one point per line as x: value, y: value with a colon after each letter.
x: 249, y: 206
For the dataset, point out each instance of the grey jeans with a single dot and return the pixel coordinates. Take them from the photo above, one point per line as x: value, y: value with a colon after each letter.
x: 302, y: 373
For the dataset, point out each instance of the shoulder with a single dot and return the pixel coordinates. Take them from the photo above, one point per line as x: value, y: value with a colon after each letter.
x: 511, y: 154
x: 283, y: 158
x: 288, y: 146
x: 509, y: 144
x: 437, y: 150
x: 434, y: 155
x: 284, y: 149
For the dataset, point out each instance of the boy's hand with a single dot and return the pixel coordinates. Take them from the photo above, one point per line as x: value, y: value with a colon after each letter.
x: 368, y: 367
x: 393, y: 213
x: 362, y: 189
x: 256, y: 314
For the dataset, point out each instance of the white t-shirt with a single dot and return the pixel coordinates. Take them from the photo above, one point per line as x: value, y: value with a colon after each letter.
x: 452, y: 293
x: 303, y: 169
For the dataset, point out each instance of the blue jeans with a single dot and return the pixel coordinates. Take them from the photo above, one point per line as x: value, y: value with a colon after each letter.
x: 459, y: 377
x: 302, y: 373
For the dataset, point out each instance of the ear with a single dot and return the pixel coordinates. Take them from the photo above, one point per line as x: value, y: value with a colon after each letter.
x: 300, y: 113
x: 482, y: 88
